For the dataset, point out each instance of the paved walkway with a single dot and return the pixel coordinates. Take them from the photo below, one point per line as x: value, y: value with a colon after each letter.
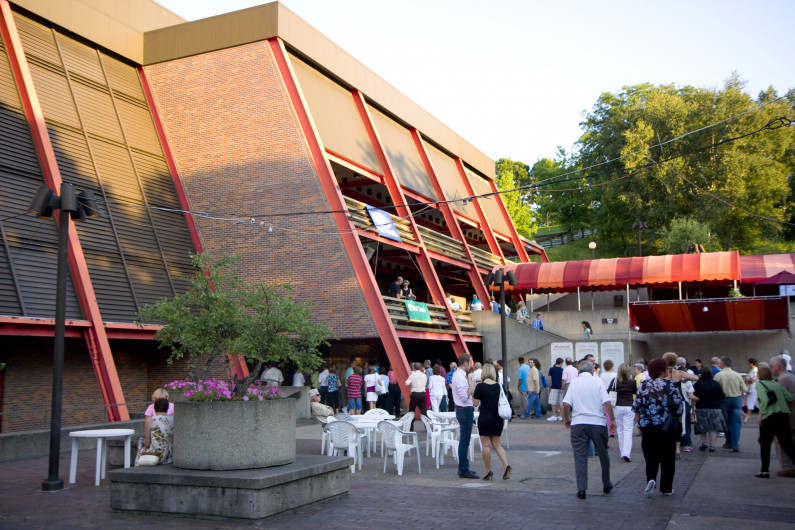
x: 712, y: 491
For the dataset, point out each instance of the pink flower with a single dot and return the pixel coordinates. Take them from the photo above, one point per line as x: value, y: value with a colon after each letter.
x: 245, y: 398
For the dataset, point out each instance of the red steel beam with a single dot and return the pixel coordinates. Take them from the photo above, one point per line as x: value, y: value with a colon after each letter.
x: 96, y: 338
x: 485, y: 227
x: 515, y: 239
x: 449, y: 216
x: 239, y: 368
x: 399, y: 199
x: 348, y: 234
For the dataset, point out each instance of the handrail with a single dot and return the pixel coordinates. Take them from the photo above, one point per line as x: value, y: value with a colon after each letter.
x: 440, y: 323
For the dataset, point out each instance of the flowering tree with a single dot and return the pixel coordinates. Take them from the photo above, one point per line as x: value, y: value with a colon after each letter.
x: 221, y: 316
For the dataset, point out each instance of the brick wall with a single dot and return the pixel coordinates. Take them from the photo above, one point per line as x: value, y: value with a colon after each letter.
x: 27, y: 380
x: 240, y: 152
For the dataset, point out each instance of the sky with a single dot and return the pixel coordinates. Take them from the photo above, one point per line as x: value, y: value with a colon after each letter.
x: 515, y: 77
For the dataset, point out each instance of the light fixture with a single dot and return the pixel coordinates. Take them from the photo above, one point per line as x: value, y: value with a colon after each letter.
x: 705, y: 309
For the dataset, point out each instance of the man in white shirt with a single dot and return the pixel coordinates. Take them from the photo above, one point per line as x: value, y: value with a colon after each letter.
x: 584, y: 413
x: 476, y: 374
x: 322, y: 381
x: 452, y: 302
x: 464, y: 413
x: 299, y: 379
x: 417, y: 382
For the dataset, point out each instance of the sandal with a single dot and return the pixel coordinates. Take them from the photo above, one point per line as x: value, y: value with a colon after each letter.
x: 711, y: 449
x: 703, y: 447
x: 763, y: 474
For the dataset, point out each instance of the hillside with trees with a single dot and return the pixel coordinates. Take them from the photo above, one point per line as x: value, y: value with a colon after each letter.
x: 714, y: 167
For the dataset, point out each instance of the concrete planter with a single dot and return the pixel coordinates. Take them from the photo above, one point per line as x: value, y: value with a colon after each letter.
x: 221, y: 435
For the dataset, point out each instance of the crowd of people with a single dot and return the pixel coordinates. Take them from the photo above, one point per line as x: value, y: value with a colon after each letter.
x: 666, y: 401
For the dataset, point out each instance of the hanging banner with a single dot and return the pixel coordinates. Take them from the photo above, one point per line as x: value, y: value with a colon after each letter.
x: 418, y: 311
x: 383, y: 223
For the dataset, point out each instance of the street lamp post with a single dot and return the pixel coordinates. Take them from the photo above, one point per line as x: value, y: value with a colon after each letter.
x: 499, y: 277
x: 78, y: 208
x: 639, y: 225
x: 592, y: 246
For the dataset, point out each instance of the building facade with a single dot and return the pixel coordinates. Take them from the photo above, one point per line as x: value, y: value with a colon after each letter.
x: 250, y: 134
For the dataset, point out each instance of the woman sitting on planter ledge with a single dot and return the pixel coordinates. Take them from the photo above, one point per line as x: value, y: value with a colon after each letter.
x: 158, y: 434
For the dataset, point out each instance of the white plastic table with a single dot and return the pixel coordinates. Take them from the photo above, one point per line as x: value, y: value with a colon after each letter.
x: 102, y: 449
x: 451, y: 415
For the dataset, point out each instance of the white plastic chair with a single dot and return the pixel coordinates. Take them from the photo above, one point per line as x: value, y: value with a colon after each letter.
x: 393, y: 441
x: 447, y: 438
x: 376, y: 412
x: 344, y: 436
x: 342, y: 416
x: 405, y: 421
x: 432, y: 432
x: 324, y: 439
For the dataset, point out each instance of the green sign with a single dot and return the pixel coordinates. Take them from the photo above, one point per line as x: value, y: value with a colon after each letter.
x: 418, y: 311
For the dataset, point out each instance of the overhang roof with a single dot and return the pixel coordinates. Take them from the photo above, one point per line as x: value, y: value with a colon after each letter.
x: 756, y: 268
x: 617, y: 273
x: 722, y: 314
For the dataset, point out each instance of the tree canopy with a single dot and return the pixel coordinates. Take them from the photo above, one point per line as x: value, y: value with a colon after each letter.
x: 739, y: 189
x: 512, y: 174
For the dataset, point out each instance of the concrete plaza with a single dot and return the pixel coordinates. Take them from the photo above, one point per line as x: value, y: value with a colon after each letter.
x: 713, y: 490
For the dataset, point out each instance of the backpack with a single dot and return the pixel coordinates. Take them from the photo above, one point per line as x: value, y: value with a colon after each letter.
x: 544, y: 383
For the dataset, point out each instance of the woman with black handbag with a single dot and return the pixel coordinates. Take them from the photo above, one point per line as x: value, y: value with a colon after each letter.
x: 773, y: 418
x: 658, y: 410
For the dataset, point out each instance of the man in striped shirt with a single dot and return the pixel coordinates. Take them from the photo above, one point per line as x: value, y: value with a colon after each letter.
x: 354, y: 384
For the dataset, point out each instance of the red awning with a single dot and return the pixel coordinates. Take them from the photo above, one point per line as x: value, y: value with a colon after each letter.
x: 756, y: 268
x: 617, y: 273
x: 724, y: 314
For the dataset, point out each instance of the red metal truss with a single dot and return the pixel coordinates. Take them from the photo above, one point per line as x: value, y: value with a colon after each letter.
x: 515, y: 239
x: 350, y: 238
x: 449, y: 216
x: 239, y: 366
x: 96, y: 338
x: 494, y: 246
x: 399, y: 199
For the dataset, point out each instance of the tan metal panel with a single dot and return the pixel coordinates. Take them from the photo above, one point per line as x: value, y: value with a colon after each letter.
x: 403, y: 154
x: 9, y: 96
x: 97, y: 112
x: 71, y: 153
x: 447, y: 173
x: 337, y: 120
x: 80, y: 59
x: 489, y: 205
x: 122, y: 77
x: 37, y: 40
x: 138, y: 127
x: 53, y: 91
x: 115, y: 25
x: 117, y: 175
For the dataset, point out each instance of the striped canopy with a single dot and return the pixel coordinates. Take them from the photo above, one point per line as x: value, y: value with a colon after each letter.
x: 756, y: 268
x: 617, y: 273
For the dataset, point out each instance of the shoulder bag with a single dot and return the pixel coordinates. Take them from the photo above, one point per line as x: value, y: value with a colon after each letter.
x: 503, y: 407
x: 771, y: 394
x: 611, y: 391
x: 672, y: 427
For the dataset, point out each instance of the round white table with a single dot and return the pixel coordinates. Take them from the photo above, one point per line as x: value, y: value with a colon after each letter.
x: 102, y: 449
x: 450, y: 415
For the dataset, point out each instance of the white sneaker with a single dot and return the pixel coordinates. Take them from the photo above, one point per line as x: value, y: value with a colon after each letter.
x: 650, y: 488
x: 560, y: 418
x: 670, y: 494
x: 552, y: 418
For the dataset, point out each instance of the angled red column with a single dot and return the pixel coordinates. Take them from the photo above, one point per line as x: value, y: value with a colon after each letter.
x: 239, y: 366
x: 399, y: 199
x: 449, y: 216
x: 350, y: 239
x: 517, y: 242
x: 96, y: 338
x: 494, y: 246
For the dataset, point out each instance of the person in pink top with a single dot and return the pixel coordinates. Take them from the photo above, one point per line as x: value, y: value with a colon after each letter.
x: 157, y: 394
x: 570, y: 373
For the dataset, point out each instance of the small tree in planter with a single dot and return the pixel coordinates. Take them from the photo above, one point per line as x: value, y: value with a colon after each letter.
x: 221, y: 315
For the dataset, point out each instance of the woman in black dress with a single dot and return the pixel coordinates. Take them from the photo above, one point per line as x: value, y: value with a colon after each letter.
x: 709, y: 418
x: 487, y: 395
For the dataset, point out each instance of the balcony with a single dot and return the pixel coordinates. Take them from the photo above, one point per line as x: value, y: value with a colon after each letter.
x: 439, y: 322
x: 434, y: 241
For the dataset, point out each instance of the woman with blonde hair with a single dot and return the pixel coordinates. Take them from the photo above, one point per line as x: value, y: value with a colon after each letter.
x: 487, y: 395
x: 625, y: 388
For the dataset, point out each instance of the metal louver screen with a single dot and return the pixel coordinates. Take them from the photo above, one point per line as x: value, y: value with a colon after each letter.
x: 104, y: 139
